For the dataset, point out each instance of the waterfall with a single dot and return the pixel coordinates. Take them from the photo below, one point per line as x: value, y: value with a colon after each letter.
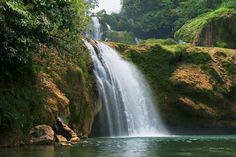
x: 97, y: 33
x: 109, y: 27
x: 128, y: 106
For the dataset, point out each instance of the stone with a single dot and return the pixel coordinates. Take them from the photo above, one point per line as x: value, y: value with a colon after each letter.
x: 63, y: 144
x: 61, y: 139
x: 42, y: 135
x: 75, y: 139
x: 67, y: 132
x: 85, y: 142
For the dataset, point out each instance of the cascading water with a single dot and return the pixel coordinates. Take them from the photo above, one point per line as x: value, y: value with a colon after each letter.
x: 97, y: 33
x: 128, y: 107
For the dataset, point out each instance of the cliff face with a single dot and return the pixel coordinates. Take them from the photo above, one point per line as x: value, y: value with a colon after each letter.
x: 195, y: 86
x: 59, y: 84
x: 69, y: 87
x: 215, y: 28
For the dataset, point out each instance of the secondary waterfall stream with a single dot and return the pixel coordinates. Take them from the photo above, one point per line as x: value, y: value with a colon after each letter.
x: 128, y: 108
x: 97, y: 33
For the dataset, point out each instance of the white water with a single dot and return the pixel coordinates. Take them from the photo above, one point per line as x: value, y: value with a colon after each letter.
x: 97, y: 33
x: 109, y: 27
x: 128, y: 107
x: 137, y: 40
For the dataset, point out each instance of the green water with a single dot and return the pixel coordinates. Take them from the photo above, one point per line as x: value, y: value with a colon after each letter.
x: 194, y: 146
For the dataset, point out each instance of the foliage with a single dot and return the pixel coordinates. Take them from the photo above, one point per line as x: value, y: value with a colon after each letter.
x: 229, y: 4
x: 21, y: 104
x: 28, y: 28
x: 27, y: 24
x: 159, y: 18
x: 122, y: 37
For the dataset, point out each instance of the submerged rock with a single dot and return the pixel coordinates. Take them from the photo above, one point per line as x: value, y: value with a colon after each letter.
x: 42, y: 135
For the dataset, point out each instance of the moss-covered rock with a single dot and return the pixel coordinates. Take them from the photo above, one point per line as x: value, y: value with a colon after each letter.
x: 216, y: 28
x: 195, y: 86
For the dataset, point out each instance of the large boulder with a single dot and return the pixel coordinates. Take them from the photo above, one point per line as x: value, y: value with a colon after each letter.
x: 67, y: 132
x: 215, y: 28
x: 42, y: 135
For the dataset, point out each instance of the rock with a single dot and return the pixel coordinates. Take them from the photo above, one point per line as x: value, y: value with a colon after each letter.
x: 55, y: 99
x: 42, y: 135
x: 85, y: 142
x: 61, y: 139
x: 74, y: 139
x: 67, y: 132
x: 64, y: 144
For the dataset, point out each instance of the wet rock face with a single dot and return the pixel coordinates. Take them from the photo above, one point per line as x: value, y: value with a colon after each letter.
x: 42, y: 135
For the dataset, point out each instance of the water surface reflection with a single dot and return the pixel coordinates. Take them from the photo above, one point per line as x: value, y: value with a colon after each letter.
x: 194, y: 146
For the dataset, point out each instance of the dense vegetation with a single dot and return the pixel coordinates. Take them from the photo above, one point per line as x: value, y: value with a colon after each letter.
x: 118, y: 36
x: 159, y: 18
x: 40, y: 48
x: 27, y: 24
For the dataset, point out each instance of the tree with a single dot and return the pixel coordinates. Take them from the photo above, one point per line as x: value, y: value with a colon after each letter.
x: 158, y: 18
x: 26, y: 24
